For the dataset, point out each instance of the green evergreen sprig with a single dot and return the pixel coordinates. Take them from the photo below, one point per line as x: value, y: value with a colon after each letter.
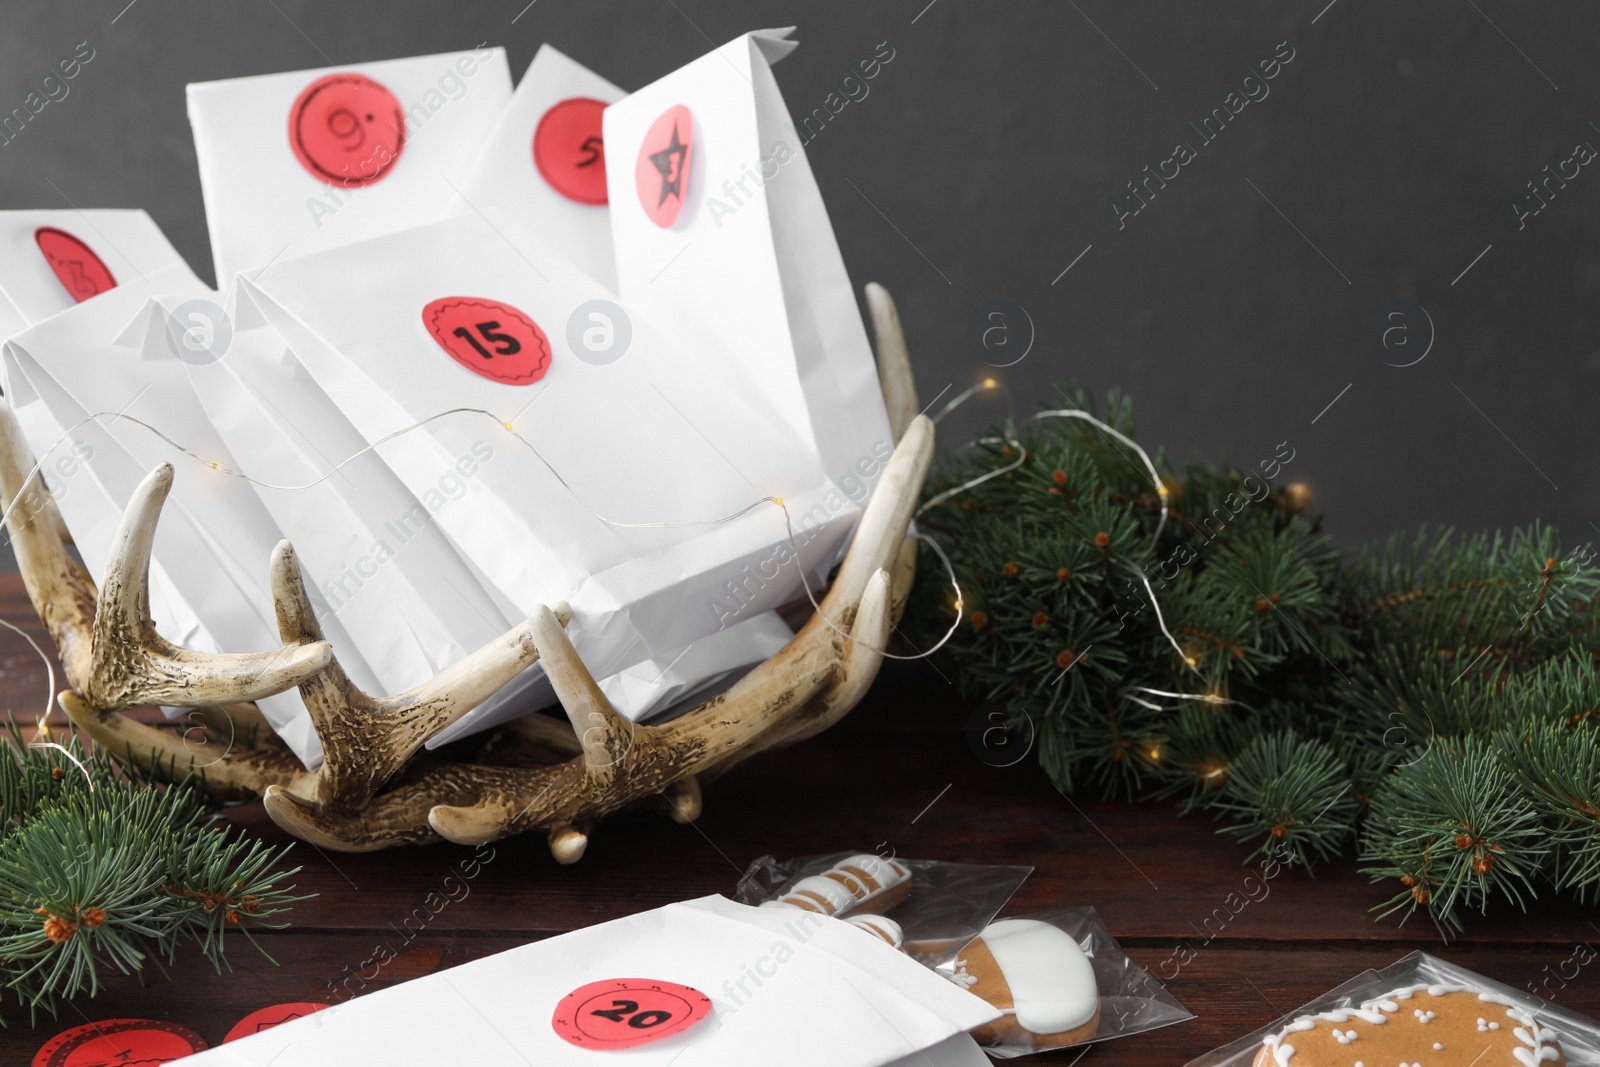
x: 1434, y: 688
x: 103, y: 868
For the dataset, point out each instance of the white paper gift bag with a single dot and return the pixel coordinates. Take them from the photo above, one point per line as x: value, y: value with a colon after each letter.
x: 562, y: 474
x: 370, y: 553
x: 544, y: 165
x: 214, y: 539
x: 791, y: 989
x: 369, y: 549
x: 53, y: 260
x: 296, y: 162
x: 721, y: 236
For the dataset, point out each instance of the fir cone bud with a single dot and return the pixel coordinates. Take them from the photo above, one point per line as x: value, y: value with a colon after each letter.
x: 58, y: 929
x: 1481, y: 863
x: 1012, y: 570
x: 1060, y: 476
x: 1463, y: 841
x: 1040, y: 619
x: 1063, y: 574
x: 1066, y: 658
x: 92, y: 917
x: 979, y: 620
x: 1102, y: 539
x: 57, y: 773
x: 1420, y: 895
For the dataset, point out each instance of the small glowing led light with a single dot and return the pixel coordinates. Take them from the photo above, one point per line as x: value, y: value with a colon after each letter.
x: 509, y: 426
x: 989, y: 383
x: 1190, y: 660
x: 779, y: 499
x: 1162, y: 490
x: 215, y: 465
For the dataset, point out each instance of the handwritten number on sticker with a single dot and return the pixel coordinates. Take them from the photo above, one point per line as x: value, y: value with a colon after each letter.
x: 624, y: 1012
x: 628, y: 1011
x: 504, y: 343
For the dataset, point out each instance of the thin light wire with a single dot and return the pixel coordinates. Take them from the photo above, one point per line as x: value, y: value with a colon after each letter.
x: 230, y: 472
x: 964, y: 486
x: 1155, y: 478
x: 1161, y: 622
x: 50, y: 691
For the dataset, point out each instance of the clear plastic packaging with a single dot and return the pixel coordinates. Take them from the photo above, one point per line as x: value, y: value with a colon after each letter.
x: 1577, y: 1036
x: 935, y: 909
x: 1130, y: 1000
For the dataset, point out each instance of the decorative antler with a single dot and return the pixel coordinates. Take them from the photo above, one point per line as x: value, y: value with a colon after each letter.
x: 376, y: 788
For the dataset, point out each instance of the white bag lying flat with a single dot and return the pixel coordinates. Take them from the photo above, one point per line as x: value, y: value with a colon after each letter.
x: 653, y: 437
x: 788, y: 989
x: 295, y: 162
x: 544, y: 165
x: 749, y: 267
x: 214, y: 539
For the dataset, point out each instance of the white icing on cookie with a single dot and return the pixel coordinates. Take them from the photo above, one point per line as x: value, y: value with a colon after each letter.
x: 1051, y: 981
x: 883, y: 927
x: 821, y: 893
x: 1539, y: 1043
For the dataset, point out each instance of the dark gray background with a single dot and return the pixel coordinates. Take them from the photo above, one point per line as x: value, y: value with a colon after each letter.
x: 986, y: 159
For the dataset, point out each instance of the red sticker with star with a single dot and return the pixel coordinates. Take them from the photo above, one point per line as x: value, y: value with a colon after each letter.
x: 662, y: 170
x: 77, y: 267
x: 489, y: 338
x: 267, y: 1018
x: 347, y: 129
x: 130, y: 1042
x: 569, y: 151
x: 626, y: 1012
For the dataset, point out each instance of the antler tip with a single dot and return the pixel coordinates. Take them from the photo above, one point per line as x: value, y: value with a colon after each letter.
x: 567, y: 844
x: 466, y: 825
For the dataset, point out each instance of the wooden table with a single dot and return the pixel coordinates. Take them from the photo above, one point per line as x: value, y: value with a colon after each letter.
x: 898, y: 773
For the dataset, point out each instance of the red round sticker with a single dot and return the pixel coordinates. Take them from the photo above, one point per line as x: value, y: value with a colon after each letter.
x: 489, y: 338
x: 569, y: 151
x: 624, y: 1012
x: 129, y: 1042
x: 74, y: 263
x: 267, y: 1018
x: 347, y: 129
x: 662, y: 170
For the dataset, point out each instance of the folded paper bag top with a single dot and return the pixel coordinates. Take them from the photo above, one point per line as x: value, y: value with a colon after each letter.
x: 721, y: 235
x: 53, y: 260
x: 295, y: 162
x: 786, y: 989
x: 544, y: 165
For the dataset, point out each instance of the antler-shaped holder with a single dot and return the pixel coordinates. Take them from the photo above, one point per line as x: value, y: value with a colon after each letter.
x: 373, y: 789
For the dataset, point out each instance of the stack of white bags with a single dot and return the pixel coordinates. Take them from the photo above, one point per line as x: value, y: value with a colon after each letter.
x: 475, y: 351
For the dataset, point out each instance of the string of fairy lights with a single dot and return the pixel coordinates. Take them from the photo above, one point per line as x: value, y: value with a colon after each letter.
x: 987, y: 385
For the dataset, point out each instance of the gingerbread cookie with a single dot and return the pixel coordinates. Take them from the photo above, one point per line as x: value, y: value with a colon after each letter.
x: 882, y: 927
x: 847, y: 885
x: 1418, y: 1026
x: 1038, y: 976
